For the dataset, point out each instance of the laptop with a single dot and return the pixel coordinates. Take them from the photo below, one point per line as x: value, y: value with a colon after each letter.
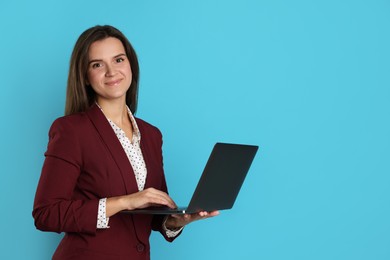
x: 219, y: 184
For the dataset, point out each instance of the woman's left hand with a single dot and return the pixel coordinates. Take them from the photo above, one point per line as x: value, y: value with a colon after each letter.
x: 177, y: 220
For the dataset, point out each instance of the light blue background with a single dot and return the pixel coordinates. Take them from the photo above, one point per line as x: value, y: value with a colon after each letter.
x: 308, y: 81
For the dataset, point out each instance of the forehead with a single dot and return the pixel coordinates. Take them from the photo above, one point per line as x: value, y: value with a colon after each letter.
x: 106, y: 48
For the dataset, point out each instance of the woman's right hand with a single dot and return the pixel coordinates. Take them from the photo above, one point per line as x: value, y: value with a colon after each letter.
x: 139, y: 200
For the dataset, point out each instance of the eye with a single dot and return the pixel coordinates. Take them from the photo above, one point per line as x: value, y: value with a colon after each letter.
x: 119, y: 60
x: 96, y: 65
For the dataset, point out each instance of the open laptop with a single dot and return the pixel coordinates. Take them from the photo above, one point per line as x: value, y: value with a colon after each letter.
x: 219, y: 184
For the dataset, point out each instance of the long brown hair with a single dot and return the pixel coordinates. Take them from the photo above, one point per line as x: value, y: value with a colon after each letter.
x: 79, y: 95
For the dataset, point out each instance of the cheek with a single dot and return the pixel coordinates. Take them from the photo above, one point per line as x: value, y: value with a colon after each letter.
x: 92, y: 77
x: 130, y: 73
x: 127, y: 73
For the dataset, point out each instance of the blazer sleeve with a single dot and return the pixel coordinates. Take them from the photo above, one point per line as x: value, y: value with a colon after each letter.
x: 55, y: 208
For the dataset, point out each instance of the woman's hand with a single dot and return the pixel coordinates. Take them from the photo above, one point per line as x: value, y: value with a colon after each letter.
x: 147, y: 198
x: 139, y: 200
x: 177, y: 220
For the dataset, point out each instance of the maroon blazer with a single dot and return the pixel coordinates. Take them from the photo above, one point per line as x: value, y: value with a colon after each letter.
x: 84, y: 163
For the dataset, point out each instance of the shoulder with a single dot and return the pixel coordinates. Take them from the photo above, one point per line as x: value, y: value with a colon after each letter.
x: 70, y: 127
x: 66, y: 136
x: 70, y: 122
x: 147, y: 128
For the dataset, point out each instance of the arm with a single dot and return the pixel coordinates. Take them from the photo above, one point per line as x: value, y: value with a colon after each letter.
x: 55, y: 208
x: 60, y: 204
x: 142, y: 199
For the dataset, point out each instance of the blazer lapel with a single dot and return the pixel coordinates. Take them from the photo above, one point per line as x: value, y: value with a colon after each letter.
x: 114, y: 147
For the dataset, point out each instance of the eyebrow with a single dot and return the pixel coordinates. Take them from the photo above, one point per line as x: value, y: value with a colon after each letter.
x: 116, y: 56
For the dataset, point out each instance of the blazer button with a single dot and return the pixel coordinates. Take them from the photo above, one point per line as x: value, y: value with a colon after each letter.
x: 140, y: 247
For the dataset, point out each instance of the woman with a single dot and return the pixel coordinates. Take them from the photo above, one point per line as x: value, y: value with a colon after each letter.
x: 101, y: 160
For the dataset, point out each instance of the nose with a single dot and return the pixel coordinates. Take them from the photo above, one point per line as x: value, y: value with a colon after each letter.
x: 110, y: 71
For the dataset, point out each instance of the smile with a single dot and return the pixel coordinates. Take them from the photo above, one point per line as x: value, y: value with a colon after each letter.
x: 114, y: 82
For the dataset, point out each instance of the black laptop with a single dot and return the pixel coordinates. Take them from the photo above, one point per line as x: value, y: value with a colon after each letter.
x: 220, y: 182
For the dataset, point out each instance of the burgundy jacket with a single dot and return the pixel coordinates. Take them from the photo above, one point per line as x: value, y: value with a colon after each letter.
x: 84, y: 163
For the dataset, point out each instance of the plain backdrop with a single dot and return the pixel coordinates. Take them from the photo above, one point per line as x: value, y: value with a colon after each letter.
x: 307, y: 81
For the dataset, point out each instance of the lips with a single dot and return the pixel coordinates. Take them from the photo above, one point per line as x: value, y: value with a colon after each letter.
x: 113, y: 82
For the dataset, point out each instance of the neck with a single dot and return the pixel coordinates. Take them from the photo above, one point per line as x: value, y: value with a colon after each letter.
x: 116, y: 111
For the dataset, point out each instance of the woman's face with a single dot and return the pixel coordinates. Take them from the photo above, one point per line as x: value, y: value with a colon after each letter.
x: 109, y: 71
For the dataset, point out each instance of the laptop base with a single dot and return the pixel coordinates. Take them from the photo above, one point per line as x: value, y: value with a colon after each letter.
x: 158, y: 211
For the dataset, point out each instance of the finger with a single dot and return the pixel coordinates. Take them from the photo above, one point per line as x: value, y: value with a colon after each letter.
x: 214, y: 213
x: 159, y: 197
x: 206, y: 214
x: 209, y: 214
